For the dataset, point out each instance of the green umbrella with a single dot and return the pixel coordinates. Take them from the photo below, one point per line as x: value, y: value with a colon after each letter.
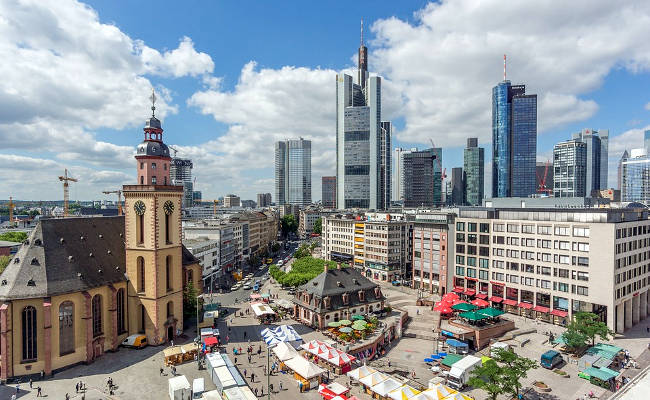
x: 360, y: 323
x: 359, y: 328
x: 463, y: 307
x: 345, y: 329
x: 345, y: 322
x: 334, y: 324
x: 358, y: 317
x: 490, y: 312
x: 472, y: 316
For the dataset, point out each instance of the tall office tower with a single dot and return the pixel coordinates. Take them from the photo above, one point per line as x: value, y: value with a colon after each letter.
x: 597, y: 157
x: 328, y: 186
x: 570, y: 169
x: 419, y: 183
x: 437, y: 176
x: 385, y: 164
x: 180, y: 173
x: 646, y: 140
x: 620, y: 169
x: 514, y: 140
x: 398, y: 179
x: 293, y: 172
x: 359, y: 140
x: 457, y: 187
x: 263, y: 200
x: 635, y: 175
x: 474, y: 172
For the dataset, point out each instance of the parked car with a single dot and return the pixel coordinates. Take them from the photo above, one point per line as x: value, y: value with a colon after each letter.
x: 551, y: 359
x: 247, y: 287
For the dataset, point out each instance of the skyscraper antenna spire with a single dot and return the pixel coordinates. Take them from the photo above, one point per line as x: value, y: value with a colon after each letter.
x: 361, y: 32
x: 504, y: 67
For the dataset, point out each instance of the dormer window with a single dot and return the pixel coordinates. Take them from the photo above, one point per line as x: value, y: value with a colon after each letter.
x: 327, y: 301
x: 362, y: 295
x: 346, y: 298
x: 377, y: 292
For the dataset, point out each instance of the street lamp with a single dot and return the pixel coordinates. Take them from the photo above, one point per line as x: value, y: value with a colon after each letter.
x: 268, y: 370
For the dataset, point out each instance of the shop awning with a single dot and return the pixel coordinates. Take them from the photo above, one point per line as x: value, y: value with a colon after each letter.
x: 559, y: 313
x: 496, y: 299
x: 481, y: 296
x: 470, y: 292
x: 599, y: 373
x: 211, y: 341
x: 541, y: 309
x: 459, y: 289
x: 510, y: 302
x: 527, y: 306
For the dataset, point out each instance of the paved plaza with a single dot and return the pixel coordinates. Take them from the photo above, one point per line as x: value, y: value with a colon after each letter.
x: 136, y: 373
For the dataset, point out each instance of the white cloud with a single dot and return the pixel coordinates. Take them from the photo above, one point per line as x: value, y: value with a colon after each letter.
x: 630, y: 139
x: 182, y: 61
x: 446, y: 63
x: 647, y: 106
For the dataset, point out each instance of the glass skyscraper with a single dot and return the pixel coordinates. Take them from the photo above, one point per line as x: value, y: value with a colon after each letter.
x: 422, y: 178
x: 635, y: 177
x: 597, y: 142
x: 474, y: 172
x: 293, y: 172
x: 362, y: 141
x: 514, y: 140
x: 569, y: 169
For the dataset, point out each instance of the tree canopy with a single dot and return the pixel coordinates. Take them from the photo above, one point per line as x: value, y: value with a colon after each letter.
x: 14, y: 236
x: 4, y: 261
x: 318, y: 226
x: 584, y: 328
x: 289, y: 224
x: 302, y: 271
x: 502, y: 374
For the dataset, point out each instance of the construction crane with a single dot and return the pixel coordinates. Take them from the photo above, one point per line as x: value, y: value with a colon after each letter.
x: 11, y: 206
x: 65, y: 179
x: 542, y: 181
x: 119, y: 199
x: 214, y: 206
x: 174, y: 149
x: 443, y: 171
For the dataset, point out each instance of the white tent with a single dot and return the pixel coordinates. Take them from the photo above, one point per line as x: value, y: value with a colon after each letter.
x: 373, y: 379
x: 303, y: 367
x: 386, y: 386
x: 261, y: 309
x: 284, y: 303
x: 361, y: 372
x: 211, y: 395
x: 402, y: 393
x: 284, y: 352
x: 283, y: 333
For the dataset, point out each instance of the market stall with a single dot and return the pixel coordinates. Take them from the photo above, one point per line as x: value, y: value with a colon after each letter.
x: 305, y: 372
x: 338, y: 361
x: 190, y: 351
x: 284, y: 352
x: 282, y: 334
x: 328, y: 392
x: 372, y: 380
x: 403, y: 393
x: 457, y: 347
x: 264, y: 313
x: 173, y: 355
x: 383, y: 388
x: 360, y: 372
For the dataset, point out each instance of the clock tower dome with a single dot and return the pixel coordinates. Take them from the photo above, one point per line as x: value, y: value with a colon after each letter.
x: 154, y: 264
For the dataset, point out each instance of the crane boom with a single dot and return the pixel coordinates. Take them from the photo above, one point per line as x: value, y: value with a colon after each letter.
x: 119, y: 199
x: 65, y: 179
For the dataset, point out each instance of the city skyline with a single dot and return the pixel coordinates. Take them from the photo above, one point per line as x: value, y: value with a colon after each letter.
x: 209, y: 102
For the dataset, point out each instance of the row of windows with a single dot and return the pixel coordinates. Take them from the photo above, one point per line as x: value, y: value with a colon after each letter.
x: 541, y: 229
x: 471, y: 227
x: 632, y: 231
x: 541, y: 283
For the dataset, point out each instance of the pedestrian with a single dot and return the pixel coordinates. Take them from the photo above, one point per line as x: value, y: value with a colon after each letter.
x: 235, y: 360
x: 647, y: 329
x: 252, y: 376
x: 255, y: 392
x: 388, y: 363
x: 249, y: 358
x: 264, y: 369
x: 244, y: 372
x: 30, y: 383
x: 172, y: 342
x: 17, y: 389
x: 38, y: 392
x: 67, y: 396
x: 270, y: 388
x: 13, y: 396
x: 161, y: 371
x: 300, y: 386
x: 76, y: 387
x: 280, y: 386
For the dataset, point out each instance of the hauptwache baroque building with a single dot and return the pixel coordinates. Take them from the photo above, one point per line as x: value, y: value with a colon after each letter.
x: 79, y: 286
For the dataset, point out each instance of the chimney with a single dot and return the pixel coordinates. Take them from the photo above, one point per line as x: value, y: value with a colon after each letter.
x: 325, y: 267
x: 338, y: 266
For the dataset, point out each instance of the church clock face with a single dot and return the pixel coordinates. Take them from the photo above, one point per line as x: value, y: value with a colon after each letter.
x: 169, y: 207
x: 139, y: 207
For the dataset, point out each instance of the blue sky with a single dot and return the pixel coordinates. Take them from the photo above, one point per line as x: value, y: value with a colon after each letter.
x: 233, y: 79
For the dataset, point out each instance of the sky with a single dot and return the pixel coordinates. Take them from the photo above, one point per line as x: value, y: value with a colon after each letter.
x: 232, y: 79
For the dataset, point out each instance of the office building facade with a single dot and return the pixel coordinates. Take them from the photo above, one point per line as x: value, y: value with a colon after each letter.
x: 457, y: 187
x: 362, y: 141
x: 474, y: 172
x: 231, y: 200
x: 635, y: 177
x: 293, y: 172
x: 418, y: 169
x: 328, y: 187
x: 432, y: 234
x: 514, y: 140
x: 180, y: 173
x: 263, y: 200
x: 597, y: 141
x: 570, y: 169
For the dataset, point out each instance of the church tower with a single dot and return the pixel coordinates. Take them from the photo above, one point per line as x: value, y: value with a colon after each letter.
x: 154, y: 264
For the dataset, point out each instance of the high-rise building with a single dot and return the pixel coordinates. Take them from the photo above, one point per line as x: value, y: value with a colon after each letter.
x: 263, y: 199
x: 231, y: 200
x: 398, y: 179
x: 180, y: 173
x: 385, y: 163
x: 457, y: 187
x: 437, y: 176
x: 328, y: 186
x: 196, y: 197
x: 514, y: 140
x: 474, y: 171
x: 597, y: 157
x: 635, y: 175
x: 570, y: 169
x: 293, y: 172
x: 646, y: 140
x: 422, y: 184
x: 620, y: 169
x: 544, y: 177
x: 362, y: 141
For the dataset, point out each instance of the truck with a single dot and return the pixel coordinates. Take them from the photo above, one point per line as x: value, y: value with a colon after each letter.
x: 461, y: 370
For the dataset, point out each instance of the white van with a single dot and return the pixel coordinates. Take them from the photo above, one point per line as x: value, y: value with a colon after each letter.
x: 198, y: 387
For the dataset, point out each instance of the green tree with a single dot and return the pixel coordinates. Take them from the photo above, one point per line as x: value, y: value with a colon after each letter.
x: 591, y: 326
x: 4, y: 261
x: 573, y: 338
x: 318, y: 226
x: 289, y: 224
x: 515, y: 368
x: 275, y: 247
x: 303, y: 251
x: 14, y: 236
x: 190, y: 298
x: 490, y: 378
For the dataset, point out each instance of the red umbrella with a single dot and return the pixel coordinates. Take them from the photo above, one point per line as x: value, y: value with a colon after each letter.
x: 458, y: 301
x: 480, y: 303
x: 450, y: 295
x: 442, y: 308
